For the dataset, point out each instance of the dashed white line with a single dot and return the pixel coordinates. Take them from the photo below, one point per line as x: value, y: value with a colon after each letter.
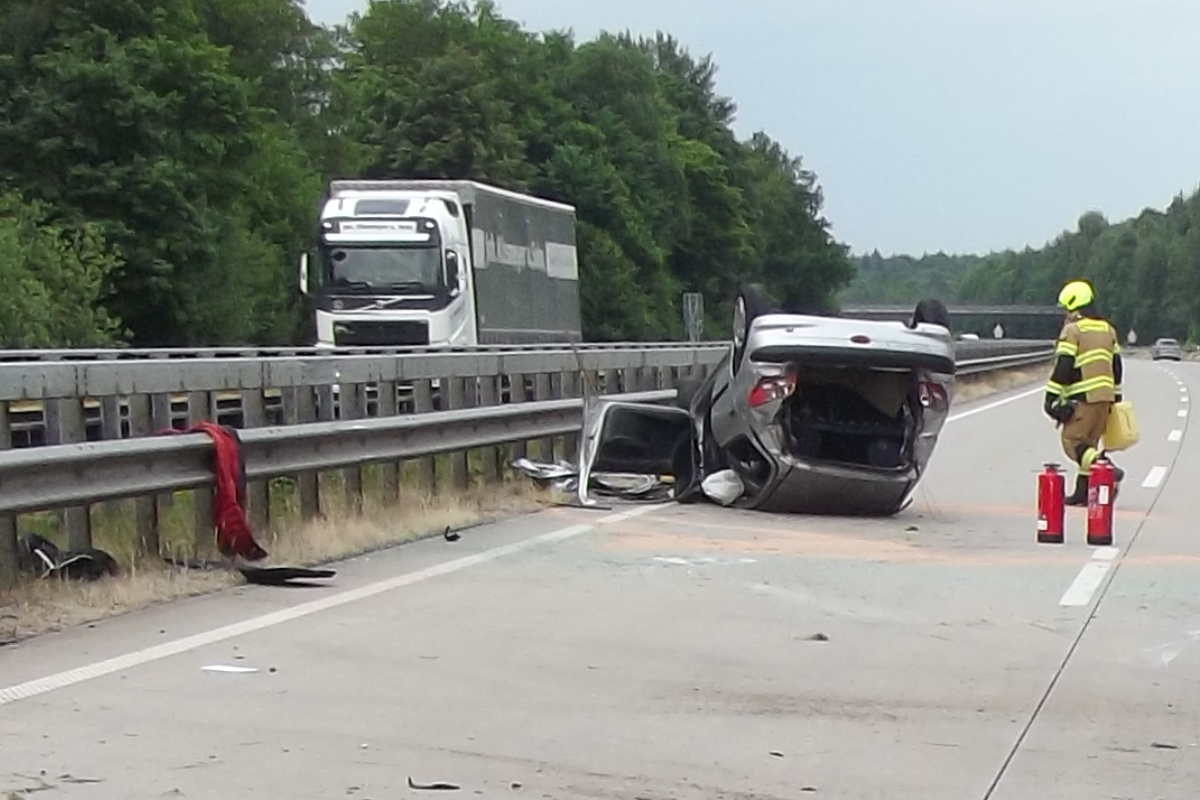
x: 1080, y: 592
x: 62, y: 680
x: 1155, y: 478
x: 1175, y: 436
x: 1182, y: 412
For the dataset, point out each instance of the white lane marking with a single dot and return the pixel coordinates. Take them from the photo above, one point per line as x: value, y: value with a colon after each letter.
x: 61, y: 680
x: 1182, y: 413
x: 972, y: 412
x: 1080, y: 592
x: 1155, y: 478
x: 1175, y: 436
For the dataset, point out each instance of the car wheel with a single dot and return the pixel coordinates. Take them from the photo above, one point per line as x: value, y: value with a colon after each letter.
x: 931, y: 312
x: 750, y: 304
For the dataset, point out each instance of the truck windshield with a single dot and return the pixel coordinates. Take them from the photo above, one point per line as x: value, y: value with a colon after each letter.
x: 405, y: 269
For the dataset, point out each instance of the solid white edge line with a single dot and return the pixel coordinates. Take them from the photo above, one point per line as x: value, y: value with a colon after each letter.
x: 1155, y: 478
x: 136, y: 658
x: 973, y: 411
x: 1175, y: 436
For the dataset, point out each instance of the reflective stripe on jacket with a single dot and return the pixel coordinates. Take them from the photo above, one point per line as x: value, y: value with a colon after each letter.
x: 1088, y: 364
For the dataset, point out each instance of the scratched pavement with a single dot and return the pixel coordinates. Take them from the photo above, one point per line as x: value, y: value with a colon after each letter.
x: 678, y: 652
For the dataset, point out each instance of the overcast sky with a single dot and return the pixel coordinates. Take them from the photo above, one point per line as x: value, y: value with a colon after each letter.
x: 955, y: 125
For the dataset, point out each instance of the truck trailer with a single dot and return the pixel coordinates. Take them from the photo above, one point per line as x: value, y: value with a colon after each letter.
x: 440, y: 263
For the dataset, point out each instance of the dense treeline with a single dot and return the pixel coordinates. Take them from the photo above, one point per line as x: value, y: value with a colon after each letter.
x: 901, y: 280
x: 1146, y: 271
x: 160, y: 164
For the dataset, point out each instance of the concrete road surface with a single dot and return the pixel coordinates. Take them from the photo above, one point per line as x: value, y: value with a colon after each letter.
x: 679, y: 652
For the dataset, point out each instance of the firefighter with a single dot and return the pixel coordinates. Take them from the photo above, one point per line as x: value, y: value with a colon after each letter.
x: 1085, y: 382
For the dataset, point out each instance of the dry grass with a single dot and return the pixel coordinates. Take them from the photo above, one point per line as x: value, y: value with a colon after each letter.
x: 35, y: 607
x: 978, y: 387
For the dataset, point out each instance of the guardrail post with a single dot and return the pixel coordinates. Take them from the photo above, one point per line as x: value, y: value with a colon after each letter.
x: 558, y: 444
x: 516, y: 383
x: 423, y: 403
x: 199, y: 409
x: 65, y: 425
x: 258, y: 493
x: 541, y: 391
x: 626, y: 380
x: 8, y: 524
x: 387, y: 405
x: 570, y: 388
x: 145, y: 509
x: 489, y: 395
x: 353, y: 402
x: 162, y: 417
x: 110, y: 428
x: 455, y: 394
x: 300, y: 406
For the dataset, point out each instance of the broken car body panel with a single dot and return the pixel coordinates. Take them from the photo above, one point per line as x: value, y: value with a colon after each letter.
x: 814, y: 414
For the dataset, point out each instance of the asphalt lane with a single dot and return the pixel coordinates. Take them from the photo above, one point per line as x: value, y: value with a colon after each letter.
x: 676, y: 652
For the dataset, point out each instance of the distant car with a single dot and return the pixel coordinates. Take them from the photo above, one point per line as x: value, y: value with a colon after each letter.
x: 813, y: 414
x: 1166, y: 348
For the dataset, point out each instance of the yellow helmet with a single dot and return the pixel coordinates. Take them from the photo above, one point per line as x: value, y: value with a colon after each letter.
x: 1075, y: 295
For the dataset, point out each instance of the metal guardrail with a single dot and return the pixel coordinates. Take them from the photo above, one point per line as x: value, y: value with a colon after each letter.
x: 73, y: 475
x: 33, y: 479
x: 976, y: 366
x: 227, y: 389
x: 102, y: 354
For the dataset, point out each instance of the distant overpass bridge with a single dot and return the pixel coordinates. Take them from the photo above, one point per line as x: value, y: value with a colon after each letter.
x: 1018, y: 321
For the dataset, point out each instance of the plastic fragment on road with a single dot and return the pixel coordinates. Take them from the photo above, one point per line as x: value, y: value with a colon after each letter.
x: 228, y: 668
x: 723, y: 487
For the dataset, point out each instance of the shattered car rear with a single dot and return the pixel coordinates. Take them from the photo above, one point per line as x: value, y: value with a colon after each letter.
x: 804, y: 414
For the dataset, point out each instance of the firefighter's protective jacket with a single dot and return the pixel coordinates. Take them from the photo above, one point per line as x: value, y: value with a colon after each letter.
x: 1088, y: 364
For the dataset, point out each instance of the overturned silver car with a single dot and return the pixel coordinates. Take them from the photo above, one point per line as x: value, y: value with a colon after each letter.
x: 805, y: 414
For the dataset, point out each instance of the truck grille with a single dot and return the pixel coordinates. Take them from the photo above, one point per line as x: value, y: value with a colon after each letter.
x: 380, y: 334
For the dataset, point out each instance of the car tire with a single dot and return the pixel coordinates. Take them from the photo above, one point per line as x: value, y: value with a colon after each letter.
x: 930, y: 312
x: 750, y: 304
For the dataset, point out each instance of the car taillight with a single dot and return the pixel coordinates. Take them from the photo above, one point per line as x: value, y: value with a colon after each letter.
x: 767, y: 390
x: 932, y: 395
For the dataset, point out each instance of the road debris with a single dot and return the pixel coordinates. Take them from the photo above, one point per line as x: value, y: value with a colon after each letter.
x: 228, y: 668
x: 451, y: 535
x: 437, y: 786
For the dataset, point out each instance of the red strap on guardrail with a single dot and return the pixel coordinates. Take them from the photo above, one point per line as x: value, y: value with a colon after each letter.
x: 234, y: 537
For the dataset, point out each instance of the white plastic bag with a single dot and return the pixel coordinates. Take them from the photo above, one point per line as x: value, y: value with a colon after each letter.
x: 723, y: 487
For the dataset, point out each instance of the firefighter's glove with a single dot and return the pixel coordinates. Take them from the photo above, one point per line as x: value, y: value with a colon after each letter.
x: 1060, y: 411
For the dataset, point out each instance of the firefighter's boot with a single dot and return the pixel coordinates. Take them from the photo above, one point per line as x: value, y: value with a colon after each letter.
x: 1080, y: 496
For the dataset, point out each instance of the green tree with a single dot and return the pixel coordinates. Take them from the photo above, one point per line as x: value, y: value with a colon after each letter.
x: 53, y: 277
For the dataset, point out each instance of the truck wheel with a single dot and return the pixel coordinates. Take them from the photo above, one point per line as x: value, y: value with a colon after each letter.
x: 750, y: 304
x: 931, y: 312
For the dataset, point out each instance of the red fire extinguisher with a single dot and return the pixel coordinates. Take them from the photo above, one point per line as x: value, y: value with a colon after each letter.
x: 1100, y: 502
x: 1050, y: 505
